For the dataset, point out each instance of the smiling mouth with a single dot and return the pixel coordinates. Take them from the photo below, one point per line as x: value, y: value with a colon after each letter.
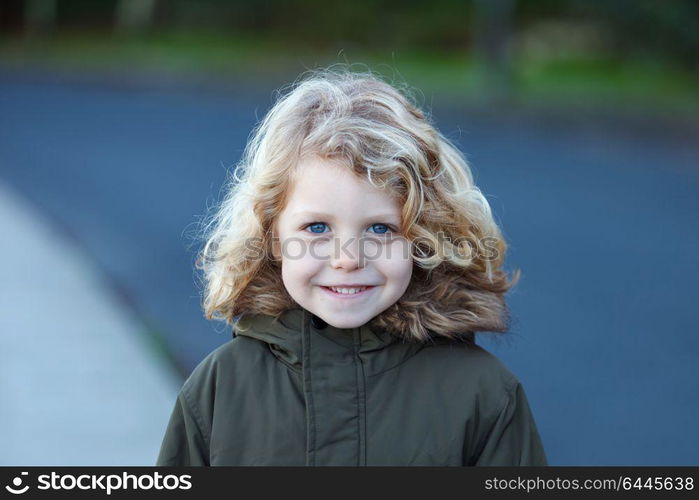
x: 347, y: 291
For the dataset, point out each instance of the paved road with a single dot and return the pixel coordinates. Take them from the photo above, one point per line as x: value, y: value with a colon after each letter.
x: 80, y: 382
x: 601, y: 218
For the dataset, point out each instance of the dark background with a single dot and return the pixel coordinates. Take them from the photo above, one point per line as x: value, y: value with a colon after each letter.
x: 120, y: 120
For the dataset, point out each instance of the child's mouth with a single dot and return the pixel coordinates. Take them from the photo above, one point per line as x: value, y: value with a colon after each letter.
x: 347, y: 293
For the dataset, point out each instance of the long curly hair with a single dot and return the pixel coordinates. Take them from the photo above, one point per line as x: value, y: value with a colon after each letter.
x: 377, y: 130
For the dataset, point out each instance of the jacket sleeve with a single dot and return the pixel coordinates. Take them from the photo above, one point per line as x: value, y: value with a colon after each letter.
x: 513, y: 438
x: 184, y: 443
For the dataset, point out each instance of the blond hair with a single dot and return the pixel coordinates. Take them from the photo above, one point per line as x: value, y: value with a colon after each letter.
x: 378, y: 132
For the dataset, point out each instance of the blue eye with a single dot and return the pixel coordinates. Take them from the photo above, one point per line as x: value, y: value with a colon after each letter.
x: 316, y: 225
x: 317, y: 228
x: 380, y: 231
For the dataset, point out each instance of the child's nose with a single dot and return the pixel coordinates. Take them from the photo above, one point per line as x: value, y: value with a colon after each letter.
x: 346, y: 254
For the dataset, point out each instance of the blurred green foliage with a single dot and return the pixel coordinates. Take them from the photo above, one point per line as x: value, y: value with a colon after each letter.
x: 665, y: 29
x: 549, y: 50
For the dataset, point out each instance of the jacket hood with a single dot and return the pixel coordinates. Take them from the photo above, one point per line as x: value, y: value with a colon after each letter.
x: 290, y: 336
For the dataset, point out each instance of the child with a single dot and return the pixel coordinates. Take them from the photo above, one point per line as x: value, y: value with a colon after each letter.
x: 354, y: 258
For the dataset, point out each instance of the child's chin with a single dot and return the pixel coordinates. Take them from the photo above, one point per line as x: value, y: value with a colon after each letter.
x: 342, y: 321
x: 346, y: 326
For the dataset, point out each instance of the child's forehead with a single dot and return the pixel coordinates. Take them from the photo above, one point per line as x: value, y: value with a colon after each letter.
x: 304, y: 213
x: 328, y: 191
x: 313, y: 162
x: 333, y: 170
x: 331, y: 183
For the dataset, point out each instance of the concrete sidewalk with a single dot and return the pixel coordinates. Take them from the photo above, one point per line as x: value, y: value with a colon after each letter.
x: 79, y: 384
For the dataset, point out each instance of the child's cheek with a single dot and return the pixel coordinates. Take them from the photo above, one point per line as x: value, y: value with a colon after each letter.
x: 302, y: 260
x: 398, y: 264
x: 398, y: 252
x: 320, y: 250
x: 378, y: 250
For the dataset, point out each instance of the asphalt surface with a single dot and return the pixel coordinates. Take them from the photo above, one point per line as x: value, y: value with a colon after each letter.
x: 601, y: 217
x: 80, y: 381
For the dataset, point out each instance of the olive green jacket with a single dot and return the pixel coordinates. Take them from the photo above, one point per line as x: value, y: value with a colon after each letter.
x: 300, y: 392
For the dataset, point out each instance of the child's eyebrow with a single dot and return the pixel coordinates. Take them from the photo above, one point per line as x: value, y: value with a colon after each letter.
x: 321, y: 215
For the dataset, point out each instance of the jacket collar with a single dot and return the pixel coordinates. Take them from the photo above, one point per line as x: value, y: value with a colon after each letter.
x: 285, y: 333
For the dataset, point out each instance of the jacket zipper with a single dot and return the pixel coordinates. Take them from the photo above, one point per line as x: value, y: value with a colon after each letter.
x: 361, y: 398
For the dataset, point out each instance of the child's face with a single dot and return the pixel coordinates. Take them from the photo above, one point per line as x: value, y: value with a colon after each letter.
x: 338, y: 229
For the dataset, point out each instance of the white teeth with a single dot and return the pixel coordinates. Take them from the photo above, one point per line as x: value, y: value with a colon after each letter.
x: 347, y: 291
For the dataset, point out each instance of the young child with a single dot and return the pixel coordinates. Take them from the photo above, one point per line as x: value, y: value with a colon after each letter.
x: 354, y: 258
